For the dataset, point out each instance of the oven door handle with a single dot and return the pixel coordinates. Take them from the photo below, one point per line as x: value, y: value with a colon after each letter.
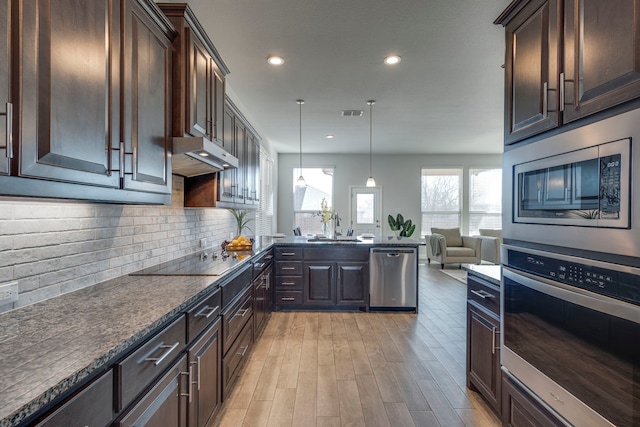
x: 584, y: 298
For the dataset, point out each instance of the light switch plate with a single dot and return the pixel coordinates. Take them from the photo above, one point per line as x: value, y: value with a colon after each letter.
x: 8, y: 293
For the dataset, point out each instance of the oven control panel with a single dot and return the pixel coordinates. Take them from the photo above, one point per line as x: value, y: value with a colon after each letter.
x: 603, y: 281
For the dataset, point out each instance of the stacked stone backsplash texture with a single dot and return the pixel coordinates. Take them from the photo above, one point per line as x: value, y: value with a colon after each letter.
x: 53, y: 247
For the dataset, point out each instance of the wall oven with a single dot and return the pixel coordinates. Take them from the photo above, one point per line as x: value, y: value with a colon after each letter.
x: 571, y: 334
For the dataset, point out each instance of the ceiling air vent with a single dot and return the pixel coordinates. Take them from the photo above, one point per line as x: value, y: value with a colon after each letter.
x: 352, y: 113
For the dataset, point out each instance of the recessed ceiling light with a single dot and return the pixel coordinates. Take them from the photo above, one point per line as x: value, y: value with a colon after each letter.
x: 275, y: 60
x: 392, y: 59
x: 329, y: 136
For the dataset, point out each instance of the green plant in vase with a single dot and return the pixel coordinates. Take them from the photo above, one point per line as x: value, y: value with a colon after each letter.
x: 242, y: 220
x: 400, y: 226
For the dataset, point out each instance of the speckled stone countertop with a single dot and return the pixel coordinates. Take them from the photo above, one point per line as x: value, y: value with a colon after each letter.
x: 385, y: 241
x: 49, y: 347
x: 490, y: 273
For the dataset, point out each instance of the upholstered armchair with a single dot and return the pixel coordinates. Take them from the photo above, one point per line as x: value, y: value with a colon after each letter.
x: 490, y: 247
x: 447, y: 246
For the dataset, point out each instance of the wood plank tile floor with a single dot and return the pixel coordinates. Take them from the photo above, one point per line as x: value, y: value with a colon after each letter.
x: 314, y: 369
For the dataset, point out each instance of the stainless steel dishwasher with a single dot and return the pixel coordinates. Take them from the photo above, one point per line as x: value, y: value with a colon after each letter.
x: 393, y: 278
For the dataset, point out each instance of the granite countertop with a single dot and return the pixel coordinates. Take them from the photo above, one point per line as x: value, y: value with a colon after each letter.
x: 490, y: 273
x: 49, y: 347
x: 343, y: 240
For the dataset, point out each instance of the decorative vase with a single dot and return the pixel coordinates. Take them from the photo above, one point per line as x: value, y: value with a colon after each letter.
x: 325, y: 229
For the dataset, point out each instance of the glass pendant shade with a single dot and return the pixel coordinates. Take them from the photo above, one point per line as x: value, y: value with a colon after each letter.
x: 371, y: 182
x: 301, y: 182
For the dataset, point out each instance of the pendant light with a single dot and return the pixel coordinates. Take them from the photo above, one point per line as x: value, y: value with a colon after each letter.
x: 300, y: 182
x: 370, y: 181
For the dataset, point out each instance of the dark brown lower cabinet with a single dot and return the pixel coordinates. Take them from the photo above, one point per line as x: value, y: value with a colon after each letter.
x: 204, y: 374
x: 235, y: 358
x: 165, y: 404
x: 483, y: 354
x: 520, y: 410
x: 352, y: 286
x: 92, y: 406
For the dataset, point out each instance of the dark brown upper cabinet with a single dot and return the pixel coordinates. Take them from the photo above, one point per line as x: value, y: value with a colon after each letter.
x: 93, y: 100
x: 601, y: 55
x: 198, y: 77
x: 566, y: 60
x: 6, y: 106
x: 531, y: 71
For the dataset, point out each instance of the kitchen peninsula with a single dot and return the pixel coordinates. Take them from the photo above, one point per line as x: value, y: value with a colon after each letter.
x: 79, y: 345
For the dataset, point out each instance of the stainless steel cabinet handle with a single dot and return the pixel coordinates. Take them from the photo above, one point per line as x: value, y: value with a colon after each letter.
x: 134, y: 164
x: 561, y: 91
x: 288, y: 268
x: 121, y: 166
x: 545, y: 100
x: 9, y: 130
x: 246, y: 347
x: 244, y: 311
x: 288, y: 253
x: 189, y: 375
x: 493, y: 340
x: 288, y: 283
x: 198, y: 360
x: 483, y: 294
x: 209, y: 314
x: 259, y: 265
x: 269, y: 257
x: 288, y: 299
x: 158, y: 360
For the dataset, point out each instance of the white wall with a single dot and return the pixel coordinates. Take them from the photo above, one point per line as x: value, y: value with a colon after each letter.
x: 51, y: 247
x: 398, y: 175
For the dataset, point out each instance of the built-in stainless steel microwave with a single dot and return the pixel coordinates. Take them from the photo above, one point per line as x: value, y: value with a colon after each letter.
x: 588, y: 187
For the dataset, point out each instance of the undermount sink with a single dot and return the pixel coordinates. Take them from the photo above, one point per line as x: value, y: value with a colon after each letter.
x: 341, y: 239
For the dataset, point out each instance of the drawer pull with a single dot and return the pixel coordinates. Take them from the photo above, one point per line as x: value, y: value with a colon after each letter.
x: 246, y: 347
x: 210, y: 313
x: 259, y: 265
x: 288, y: 299
x: 198, y: 359
x: 494, y: 332
x: 244, y: 311
x: 269, y: 257
x: 288, y: 268
x: 158, y: 360
x: 483, y: 294
x: 288, y: 253
x: 189, y: 375
x: 288, y: 283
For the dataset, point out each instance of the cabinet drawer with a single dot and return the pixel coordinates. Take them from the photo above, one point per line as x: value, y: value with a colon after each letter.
x: 484, y: 293
x: 289, y: 268
x: 237, y: 285
x: 203, y: 314
x: 235, y: 317
x: 93, y: 406
x: 235, y: 358
x: 285, y: 283
x: 288, y: 253
x: 136, y: 371
x: 288, y: 297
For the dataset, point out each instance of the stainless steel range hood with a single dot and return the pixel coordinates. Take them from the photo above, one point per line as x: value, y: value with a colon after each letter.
x: 194, y: 156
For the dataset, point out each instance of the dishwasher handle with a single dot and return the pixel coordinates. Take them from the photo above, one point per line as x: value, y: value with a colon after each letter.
x: 392, y: 252
x: 393, y: 255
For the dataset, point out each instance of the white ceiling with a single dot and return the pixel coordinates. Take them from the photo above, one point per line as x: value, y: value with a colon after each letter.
x: 445, y: 96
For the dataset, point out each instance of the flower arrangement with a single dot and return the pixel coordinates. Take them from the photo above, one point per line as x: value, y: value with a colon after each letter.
x: 324, y: 213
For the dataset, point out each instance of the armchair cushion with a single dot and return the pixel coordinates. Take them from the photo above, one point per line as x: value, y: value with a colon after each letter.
x: 452, y: 235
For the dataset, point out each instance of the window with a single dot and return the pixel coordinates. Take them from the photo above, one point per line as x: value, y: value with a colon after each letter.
x: 307, y: 199
x: 441, y: 195
x: 485, y: 199
x: 264, y: 214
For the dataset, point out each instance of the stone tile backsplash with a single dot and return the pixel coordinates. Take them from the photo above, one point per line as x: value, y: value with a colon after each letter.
x: 53, y: 247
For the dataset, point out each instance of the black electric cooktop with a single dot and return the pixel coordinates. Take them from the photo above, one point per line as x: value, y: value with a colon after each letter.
x: 196, y: 265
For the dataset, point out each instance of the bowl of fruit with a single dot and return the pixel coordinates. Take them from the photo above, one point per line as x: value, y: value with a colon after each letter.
x: 239, y: 243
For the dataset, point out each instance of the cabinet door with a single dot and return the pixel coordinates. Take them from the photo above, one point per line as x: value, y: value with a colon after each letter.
x: 531, y: 95
x: 353, y: 283
x: 601, y: 55
x: 218, y: 103
x: 165, y: 404
x: 6, y: 108
x: 200, y: 88
x: 146, y: 109
x: 521, y: 410
x: 69, y: 61
x: 204, y: 370
x: 319, y: 283
x: 241, y: 149
x: 226, y: 178
x: 483, y: 354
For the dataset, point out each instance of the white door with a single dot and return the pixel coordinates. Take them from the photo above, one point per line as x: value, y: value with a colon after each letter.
x: 366, y: 211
